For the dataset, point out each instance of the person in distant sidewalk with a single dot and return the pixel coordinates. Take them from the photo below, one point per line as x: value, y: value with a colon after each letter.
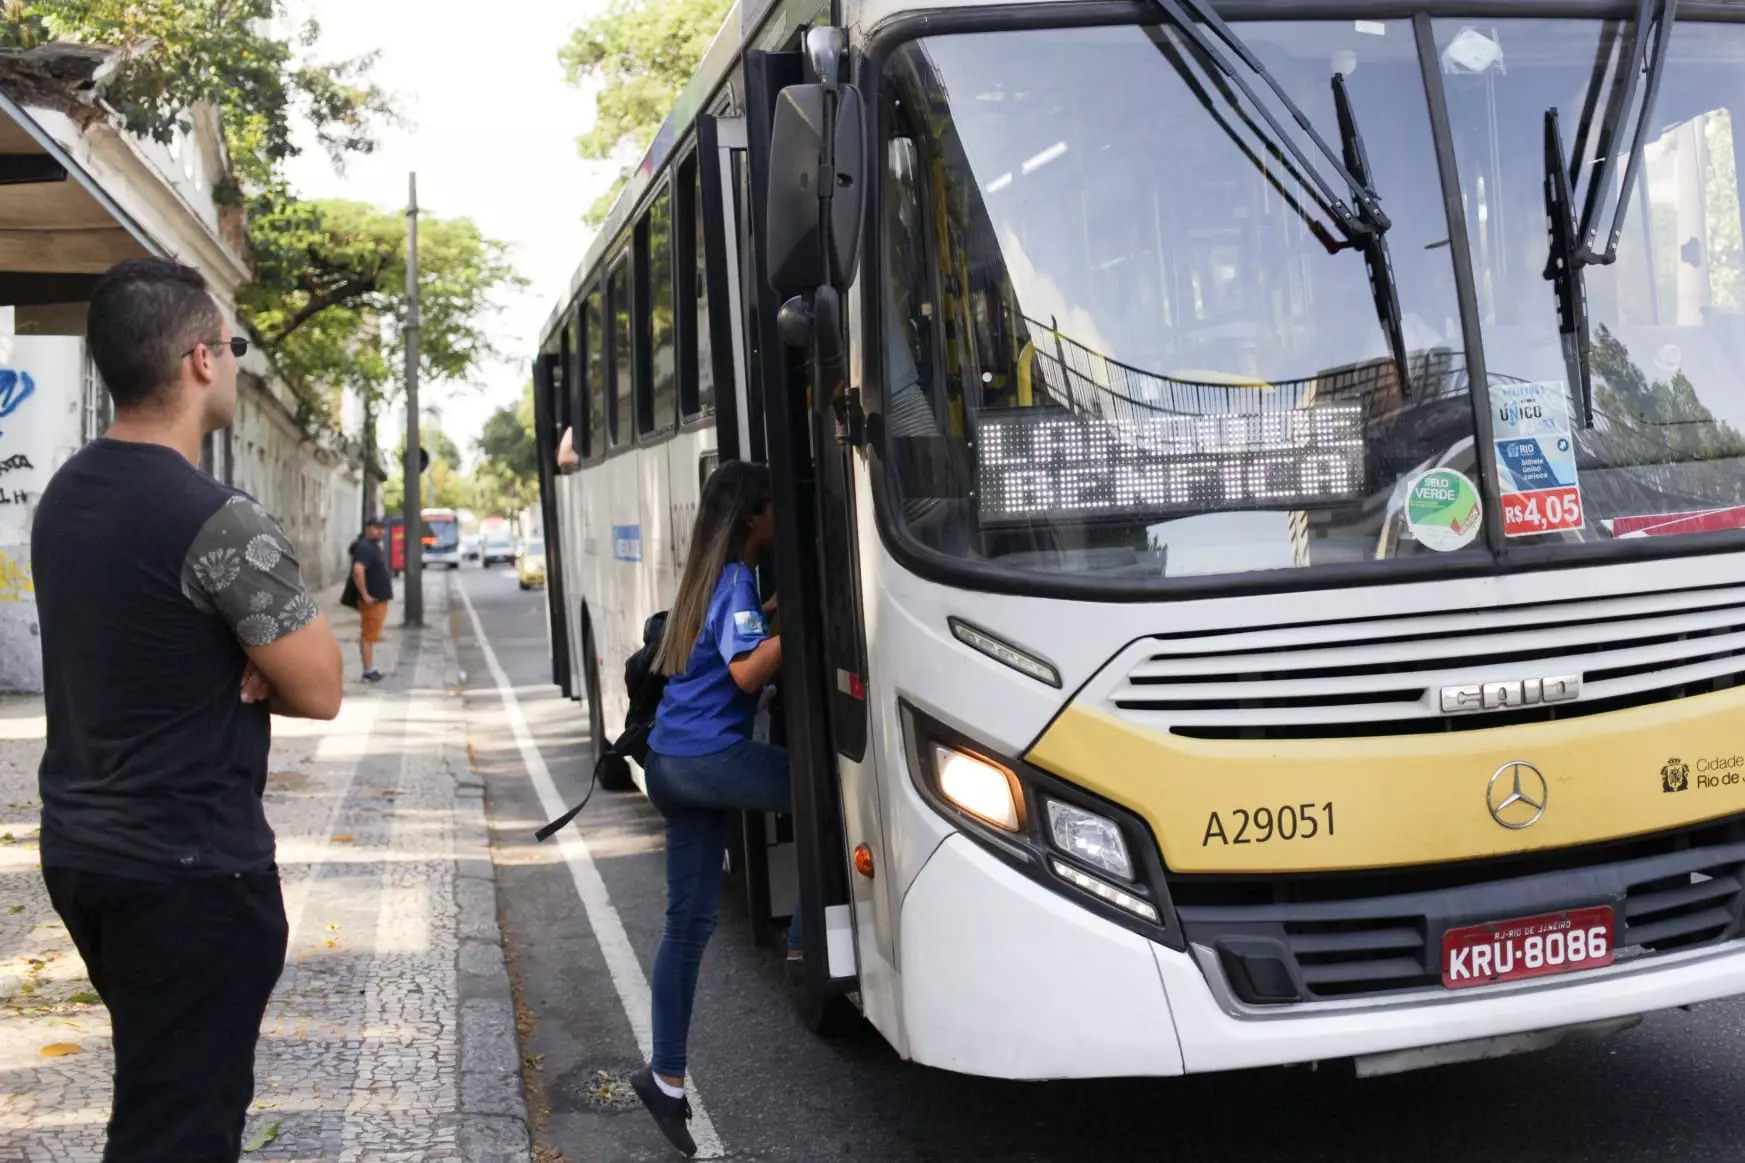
x: 375, y: 589
x: 174, y: 623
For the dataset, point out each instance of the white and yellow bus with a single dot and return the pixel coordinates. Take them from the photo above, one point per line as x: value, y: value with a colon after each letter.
x: 1259, y: 497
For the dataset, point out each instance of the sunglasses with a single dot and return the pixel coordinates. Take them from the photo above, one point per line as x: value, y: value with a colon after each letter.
x: 238, y: 347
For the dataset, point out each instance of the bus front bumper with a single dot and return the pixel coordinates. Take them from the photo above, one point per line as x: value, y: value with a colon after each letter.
x: 1004, y: 978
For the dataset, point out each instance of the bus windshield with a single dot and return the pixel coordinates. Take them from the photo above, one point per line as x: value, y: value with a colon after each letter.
x: 1121, y: 335
x: 441, y: 531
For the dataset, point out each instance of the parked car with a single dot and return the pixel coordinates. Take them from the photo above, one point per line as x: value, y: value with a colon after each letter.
x: 530, y: 571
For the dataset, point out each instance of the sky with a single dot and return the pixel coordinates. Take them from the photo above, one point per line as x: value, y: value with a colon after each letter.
x: 490, y: 130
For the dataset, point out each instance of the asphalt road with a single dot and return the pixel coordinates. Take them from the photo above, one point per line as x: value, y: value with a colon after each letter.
x: 1670, y: 1089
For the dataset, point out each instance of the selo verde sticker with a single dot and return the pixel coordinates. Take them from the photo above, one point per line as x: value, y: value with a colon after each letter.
x: 1443, y: 510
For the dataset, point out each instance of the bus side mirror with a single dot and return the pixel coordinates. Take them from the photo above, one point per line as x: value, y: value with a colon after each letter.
x: 801, y: 217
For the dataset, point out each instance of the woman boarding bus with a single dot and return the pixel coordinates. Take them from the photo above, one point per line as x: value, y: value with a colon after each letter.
x: 719, y: 655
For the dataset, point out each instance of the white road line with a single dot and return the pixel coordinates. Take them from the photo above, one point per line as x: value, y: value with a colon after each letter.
x: 621, y: 962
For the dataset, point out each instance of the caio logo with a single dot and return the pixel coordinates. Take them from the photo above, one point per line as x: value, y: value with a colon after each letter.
x: 1675, y: 776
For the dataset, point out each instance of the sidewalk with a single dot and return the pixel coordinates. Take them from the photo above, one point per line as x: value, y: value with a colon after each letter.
x: 391, y: 1035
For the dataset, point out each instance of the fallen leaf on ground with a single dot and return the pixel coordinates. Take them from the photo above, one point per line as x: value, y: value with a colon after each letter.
x: 14, y: 910
x: 85, y: 999
x: 332, y: 944
x: 342, y: 838
x: 262, y: 1137
x: 60, y: 1049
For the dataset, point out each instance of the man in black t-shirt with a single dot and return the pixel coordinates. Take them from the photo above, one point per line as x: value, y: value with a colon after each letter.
x: 174, y: 623
x: 375, y: 589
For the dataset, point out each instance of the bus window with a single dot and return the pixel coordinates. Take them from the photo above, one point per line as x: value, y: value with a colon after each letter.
x: 595, y: 387
x: 623, y: 353
x: 663, y: 350
x: 575, y: 384
x: 696, y: 358
x: 563, y: 382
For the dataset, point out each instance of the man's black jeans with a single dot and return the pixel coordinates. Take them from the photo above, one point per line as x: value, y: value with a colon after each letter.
x: 186, y: 968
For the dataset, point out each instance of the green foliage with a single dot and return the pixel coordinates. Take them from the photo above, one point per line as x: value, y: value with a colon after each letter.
x: 330, y: 296
x: 1654, y: 443
x: 508, y: 439
x: 329, y: 287
x: 181, y: 53
x: 444, y: 486
x: 641, y: 54
x: 507, y: 479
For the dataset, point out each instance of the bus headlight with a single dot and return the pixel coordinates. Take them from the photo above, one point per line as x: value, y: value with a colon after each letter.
x: 985, y: 791
x: 1077, y: 844
x: 1094, y: 839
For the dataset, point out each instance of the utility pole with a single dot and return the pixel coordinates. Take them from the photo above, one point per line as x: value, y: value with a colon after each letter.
x: 411, y: 469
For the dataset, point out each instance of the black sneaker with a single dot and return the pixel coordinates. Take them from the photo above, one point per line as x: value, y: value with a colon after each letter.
x: 671, y: 1115
x: 372, y: 676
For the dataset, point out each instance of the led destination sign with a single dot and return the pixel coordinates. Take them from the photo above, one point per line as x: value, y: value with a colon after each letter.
x: 1034, y: 463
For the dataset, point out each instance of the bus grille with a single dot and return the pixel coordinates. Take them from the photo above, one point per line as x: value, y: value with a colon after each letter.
x: 1335, y: 939
x: 1384, y: 676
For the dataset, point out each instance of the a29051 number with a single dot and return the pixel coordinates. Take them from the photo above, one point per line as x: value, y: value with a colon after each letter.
x: 1264, y: 825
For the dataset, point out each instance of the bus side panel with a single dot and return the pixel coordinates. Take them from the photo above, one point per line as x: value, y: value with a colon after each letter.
x: 593, y: 555
x: 864, y: 812
x: 618, y: 623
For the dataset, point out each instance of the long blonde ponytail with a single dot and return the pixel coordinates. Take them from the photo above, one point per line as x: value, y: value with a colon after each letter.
x: 734, y: 494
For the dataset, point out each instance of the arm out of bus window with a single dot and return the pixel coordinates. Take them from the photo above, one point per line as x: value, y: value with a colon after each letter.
x: 242, y: 569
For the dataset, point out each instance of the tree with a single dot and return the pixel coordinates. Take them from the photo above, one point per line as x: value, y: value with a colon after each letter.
x: 445, y: 487
x: 331, y: 292
x: 641, y: 54
x: 1655, y: 447
x: 508, y: 438
x: 175, y: 54
x: 507, y: 479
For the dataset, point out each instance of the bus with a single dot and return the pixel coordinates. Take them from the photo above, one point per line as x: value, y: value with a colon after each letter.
x: 1259, y: 494
x: 441, y: 539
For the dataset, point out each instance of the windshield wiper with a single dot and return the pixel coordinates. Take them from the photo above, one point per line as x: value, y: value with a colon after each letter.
x: 1363, y: 224
x: 1573, y: 243
x: 1382, y: 287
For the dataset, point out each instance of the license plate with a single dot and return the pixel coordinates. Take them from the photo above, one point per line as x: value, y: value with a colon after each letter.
x: 1527, y: 947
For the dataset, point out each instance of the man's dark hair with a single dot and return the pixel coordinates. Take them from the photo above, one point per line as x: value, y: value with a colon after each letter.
x: 145, y: 314
x: 376, y: 523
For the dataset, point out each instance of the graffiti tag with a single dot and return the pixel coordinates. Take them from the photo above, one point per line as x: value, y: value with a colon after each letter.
x: 16, y: 461
x: 14, y: 497
x: 15, y: 388
x: 16, y: 584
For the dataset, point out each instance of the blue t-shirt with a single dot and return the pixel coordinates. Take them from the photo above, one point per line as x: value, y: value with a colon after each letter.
x: 703, y: 710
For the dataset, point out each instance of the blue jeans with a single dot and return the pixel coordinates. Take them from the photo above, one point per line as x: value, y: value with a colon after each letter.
x: 695, y: 793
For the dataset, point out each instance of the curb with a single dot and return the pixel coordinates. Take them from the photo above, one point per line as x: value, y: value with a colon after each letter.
x: 492, y: 1126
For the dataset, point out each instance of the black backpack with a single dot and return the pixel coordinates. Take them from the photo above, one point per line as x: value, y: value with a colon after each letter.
x: 646, y: 685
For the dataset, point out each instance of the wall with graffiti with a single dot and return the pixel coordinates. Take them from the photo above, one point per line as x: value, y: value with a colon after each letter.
x: 316, y: 497
x: 40, y: 379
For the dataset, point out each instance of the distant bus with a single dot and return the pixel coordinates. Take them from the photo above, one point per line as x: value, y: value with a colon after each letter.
x: 441, y: 539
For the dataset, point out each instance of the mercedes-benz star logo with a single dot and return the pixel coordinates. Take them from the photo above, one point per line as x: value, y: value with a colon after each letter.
x: 1516, y: 795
